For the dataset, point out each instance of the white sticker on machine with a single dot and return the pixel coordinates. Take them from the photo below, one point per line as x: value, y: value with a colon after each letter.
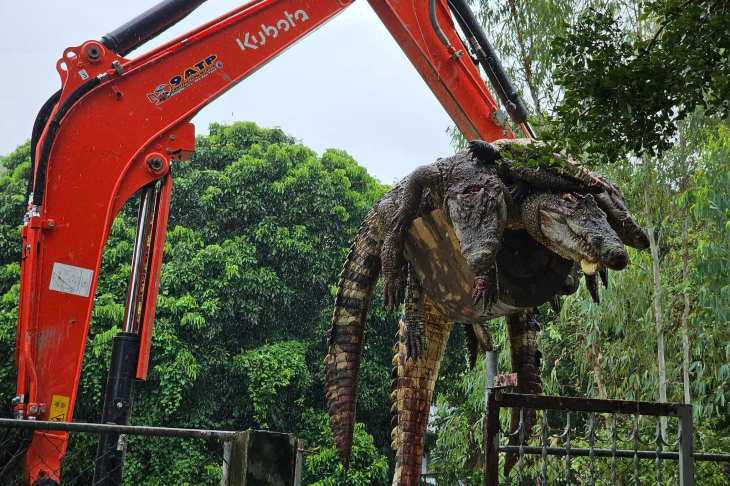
x: 71, y: 280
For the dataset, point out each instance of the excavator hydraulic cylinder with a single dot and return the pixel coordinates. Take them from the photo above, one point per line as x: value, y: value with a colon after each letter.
x: 486, y: 54
x: 118, y: 402
x: 148, y: 25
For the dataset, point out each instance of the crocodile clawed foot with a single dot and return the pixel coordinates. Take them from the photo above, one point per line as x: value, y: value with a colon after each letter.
x: 557, y: 304
x: 519, y: 191
x: 394, y: 291
x: 400, y: 221
x: 486, y: 289
x: 483, y: 151
x: 415, y: 343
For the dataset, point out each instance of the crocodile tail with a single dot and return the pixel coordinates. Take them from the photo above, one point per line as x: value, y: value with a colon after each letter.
x: 345, y: 337
x: 525, y: 357
x: 412, y: 392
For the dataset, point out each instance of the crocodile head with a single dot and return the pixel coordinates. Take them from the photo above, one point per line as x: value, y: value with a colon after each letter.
x: 611, y: 201
x: 575, y: 228
x: 478, y: 213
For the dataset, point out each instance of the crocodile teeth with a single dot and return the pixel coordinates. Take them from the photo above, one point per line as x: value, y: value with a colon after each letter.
x: 588, y: 267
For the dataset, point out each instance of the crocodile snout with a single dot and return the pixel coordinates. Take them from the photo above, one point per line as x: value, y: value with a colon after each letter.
x: 616, y: 258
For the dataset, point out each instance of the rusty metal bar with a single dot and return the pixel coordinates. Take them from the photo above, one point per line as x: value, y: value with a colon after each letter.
x: 116, y: 429
x: 515, y: 400
x: 562, y: 452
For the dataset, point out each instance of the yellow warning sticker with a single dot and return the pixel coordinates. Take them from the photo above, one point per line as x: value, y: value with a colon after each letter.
x: 59, y: 408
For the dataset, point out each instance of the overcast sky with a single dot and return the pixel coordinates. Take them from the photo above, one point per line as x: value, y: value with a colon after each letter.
x: 347, y: 86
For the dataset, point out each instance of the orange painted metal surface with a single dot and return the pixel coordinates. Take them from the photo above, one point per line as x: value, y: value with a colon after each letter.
x: 456, y: 83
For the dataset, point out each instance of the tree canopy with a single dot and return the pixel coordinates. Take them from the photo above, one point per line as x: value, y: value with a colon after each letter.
x: 627, y: 81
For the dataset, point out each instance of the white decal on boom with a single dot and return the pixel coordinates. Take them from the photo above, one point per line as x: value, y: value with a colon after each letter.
x: 254, y: 41
x: 71, y: 280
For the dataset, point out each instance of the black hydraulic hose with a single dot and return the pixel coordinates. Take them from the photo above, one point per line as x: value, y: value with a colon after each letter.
x: 435, y: 24
x: 39, y: 125
x: 40, y: 181
x: 148, y: 25
x: 489, y: 60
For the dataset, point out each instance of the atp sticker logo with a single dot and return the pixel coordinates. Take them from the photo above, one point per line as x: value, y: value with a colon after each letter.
x: 181, y: 82
x: 161, y: 94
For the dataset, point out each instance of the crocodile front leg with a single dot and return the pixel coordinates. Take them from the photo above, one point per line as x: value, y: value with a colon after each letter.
x: 393, y: 262
x: 426, y: 176
x: 412, y: 392
x: 394, y: 267
x: 563, y: 176
x: 486, y: 287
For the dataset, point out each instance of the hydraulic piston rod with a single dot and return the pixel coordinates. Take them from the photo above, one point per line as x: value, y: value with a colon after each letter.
x: 488, y: 58
x: 119, y: 395
x: 147, y: 196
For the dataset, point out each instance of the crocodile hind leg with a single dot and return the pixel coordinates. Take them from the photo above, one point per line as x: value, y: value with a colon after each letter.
x: 412, y: 391
x: 525, y: 357
x: 414, y: 318
x: 394, y: 270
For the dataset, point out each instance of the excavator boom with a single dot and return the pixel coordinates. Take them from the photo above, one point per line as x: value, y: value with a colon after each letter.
x: 118, y: 125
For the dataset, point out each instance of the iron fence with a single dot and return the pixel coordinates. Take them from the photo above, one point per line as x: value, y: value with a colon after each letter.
x: 155, y: 456
x: 575, y: 441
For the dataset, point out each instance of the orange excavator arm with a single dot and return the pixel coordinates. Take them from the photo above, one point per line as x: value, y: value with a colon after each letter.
x: 118, y: 125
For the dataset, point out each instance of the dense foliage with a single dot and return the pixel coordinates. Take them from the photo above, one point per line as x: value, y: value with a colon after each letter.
x: 627, y: 81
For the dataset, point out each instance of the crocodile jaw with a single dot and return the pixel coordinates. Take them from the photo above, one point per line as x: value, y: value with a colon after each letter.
x: 589, y: 268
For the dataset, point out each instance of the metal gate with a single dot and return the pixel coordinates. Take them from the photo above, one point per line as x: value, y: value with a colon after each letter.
x: 581, y: 441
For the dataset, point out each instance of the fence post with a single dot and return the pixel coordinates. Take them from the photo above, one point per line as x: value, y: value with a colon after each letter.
x: 491, y: 422
x: 261, y: 458
x: 227, y: 452
x: 299, y: 462
x: 686, y: 446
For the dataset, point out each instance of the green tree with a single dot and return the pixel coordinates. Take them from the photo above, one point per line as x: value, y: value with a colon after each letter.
x: 624, y: 90
x: 259, y: 228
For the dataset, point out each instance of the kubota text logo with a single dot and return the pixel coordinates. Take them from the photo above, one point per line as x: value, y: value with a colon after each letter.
x: 254, y: 41
x: 179, y: 83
